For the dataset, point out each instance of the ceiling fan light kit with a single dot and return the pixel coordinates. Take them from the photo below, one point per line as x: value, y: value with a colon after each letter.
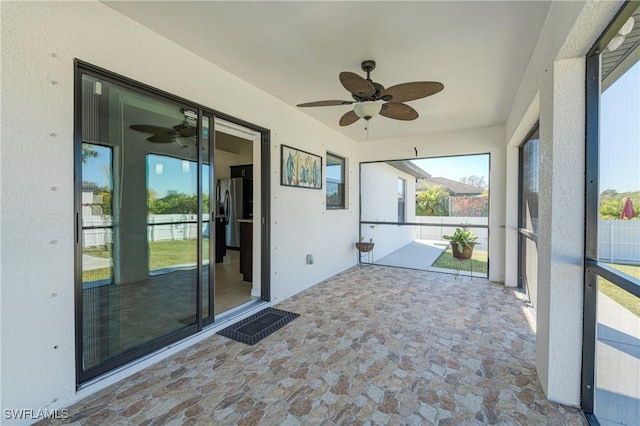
x: 367, y: 109
x: 618, y: 39
x: 371, y: 98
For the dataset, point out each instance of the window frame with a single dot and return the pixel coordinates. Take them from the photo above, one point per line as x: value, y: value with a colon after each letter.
x: 342, y: 184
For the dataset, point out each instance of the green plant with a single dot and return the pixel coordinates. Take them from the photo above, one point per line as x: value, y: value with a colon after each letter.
x: 432, y: 201
x: 463, y: 237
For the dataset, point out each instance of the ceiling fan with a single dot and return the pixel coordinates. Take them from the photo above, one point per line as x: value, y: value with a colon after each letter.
x: 371, y: 98
x: 183, y: 134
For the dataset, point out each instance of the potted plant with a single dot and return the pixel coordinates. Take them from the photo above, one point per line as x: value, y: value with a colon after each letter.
x: 462, y: 243
x: 364, y: 247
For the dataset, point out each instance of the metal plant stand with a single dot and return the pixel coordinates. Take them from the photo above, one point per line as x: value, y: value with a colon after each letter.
x: 457, y: 266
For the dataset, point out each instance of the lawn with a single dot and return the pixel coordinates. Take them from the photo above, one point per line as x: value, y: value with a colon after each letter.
x: 624, y: 298
x: 479, y: 259
x: 162, y: 254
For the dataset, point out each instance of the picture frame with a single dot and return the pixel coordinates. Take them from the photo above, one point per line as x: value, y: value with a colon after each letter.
x: 300, y: 168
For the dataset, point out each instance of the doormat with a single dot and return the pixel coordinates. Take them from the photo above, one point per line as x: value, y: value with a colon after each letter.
x: 258, y: 326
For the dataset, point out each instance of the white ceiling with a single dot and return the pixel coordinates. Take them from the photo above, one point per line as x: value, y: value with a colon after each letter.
x: 295, y: 50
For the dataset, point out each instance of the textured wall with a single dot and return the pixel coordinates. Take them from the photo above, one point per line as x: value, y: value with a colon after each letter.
x: 553, y: 86
x: 39, y: 43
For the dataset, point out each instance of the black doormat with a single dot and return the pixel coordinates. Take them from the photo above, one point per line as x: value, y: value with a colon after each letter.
x: 258, y: 326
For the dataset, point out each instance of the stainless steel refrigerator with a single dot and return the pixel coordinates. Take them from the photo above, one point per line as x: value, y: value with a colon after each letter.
x: 230, y: 205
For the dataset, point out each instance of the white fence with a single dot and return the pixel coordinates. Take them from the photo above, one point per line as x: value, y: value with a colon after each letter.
x: 447, y: 225
x: 161, y: 227
x: 619, y: 241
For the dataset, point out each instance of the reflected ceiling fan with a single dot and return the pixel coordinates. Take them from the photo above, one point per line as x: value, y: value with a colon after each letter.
x: 371, y: 98
x: 183, y: 134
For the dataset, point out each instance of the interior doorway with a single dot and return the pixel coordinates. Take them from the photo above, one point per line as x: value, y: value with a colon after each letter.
x: 236, y: 150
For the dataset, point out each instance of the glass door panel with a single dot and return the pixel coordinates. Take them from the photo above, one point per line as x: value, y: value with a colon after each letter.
x: 139, y: 222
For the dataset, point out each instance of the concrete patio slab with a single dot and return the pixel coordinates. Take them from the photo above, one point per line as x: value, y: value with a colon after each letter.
x: 419, y: 254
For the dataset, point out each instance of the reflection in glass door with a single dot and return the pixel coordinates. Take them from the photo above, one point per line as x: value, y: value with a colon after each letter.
x: 139, y: 223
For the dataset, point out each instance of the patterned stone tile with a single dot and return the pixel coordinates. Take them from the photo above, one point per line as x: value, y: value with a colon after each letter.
x: 373, y: 345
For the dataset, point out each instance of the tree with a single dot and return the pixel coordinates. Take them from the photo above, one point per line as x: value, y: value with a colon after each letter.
x: 173, y: 202
x: 88, y: 153
x: 473, y: 180
x: 433, y: 201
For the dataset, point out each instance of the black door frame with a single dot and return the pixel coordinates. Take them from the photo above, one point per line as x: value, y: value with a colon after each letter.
x: 81, y: 67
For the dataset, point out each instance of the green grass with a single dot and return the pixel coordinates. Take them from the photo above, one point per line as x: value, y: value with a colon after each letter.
x: 479, y: 260
x: 162, y: 254
x: 624, y: 298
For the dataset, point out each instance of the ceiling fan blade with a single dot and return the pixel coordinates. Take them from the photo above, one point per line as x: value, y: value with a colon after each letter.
x: 349, y: 118
x: 161, y: 138
x: 157, y: 130
x: 185, y: 131
x: 398, y: 111
x: 357, y: 85
x: 409, y: 91
x: 324, y: 103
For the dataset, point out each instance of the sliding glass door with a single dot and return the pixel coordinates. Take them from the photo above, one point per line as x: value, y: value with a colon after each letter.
x: 152, y: 266
x: 143, y: 222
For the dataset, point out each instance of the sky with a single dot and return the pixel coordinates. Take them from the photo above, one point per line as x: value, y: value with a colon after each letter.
x: 457, y: 167
x: 620, y: 133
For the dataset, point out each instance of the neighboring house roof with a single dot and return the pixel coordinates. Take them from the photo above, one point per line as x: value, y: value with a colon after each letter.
x: 454, y: 188
x: 409, y: 168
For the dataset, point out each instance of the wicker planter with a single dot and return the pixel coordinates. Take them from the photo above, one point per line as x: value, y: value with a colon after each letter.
x: 365, y: 247
x: 466, y: 251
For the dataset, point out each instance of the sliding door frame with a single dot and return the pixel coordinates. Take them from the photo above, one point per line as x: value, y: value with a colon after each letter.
x: 84, y: 377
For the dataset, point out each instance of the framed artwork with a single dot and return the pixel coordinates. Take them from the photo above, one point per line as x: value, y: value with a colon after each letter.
x: 300, y: 168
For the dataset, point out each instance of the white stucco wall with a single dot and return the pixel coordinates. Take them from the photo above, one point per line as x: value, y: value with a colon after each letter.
x: 39, y: 42
x: 379, y: 198
x: 484, y: 140
x: 556, y: 74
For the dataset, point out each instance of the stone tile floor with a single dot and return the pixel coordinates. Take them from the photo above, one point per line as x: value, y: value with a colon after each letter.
x: 373, y: 345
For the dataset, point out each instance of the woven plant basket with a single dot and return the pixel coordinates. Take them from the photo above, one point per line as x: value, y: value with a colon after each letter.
x: 365, y: 247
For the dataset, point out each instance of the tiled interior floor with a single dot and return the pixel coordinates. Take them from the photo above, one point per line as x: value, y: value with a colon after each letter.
x: 121, y: 317
x: 231, y: 290
x: 373, y: 345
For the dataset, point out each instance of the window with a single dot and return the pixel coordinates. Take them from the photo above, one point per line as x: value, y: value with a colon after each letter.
x: 528, y: 221
x: 402, y: 195
x: 335, y: 182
